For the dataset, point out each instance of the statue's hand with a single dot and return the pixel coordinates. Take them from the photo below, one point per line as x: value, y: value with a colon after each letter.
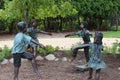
x: 67, y: 35
x: 42, y: 46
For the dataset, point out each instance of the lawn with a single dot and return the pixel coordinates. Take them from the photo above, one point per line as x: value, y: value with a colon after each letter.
x: 112, y: 34
x: 107, y: 34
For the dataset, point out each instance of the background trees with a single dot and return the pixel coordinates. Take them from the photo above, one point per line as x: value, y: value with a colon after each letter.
x: 58, y: 15
x: 97, y: 12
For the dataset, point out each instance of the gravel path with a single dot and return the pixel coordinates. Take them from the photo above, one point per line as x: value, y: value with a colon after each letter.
x: 57, y: 39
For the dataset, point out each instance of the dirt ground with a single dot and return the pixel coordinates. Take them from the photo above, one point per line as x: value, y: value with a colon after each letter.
x: 59, y: 70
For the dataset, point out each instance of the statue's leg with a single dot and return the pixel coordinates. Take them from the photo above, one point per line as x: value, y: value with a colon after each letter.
x: 74, y: 54
x: 35, y: 51
x: 33, y: 61
x: 31, y: 57
x: 97, y: 75
x: 86, y: 52
x: 17, y: 64
x: 74, y: 51
x: 35, y: 48
x: 16, y: 71
x: 31, y: 49
x: 90, y: 73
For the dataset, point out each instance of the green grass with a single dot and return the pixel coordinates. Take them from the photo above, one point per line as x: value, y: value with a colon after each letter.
x: 107, y: 34
x: 112, y: 34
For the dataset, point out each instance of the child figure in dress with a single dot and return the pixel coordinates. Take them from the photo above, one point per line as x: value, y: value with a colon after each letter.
x: 96, y: 61
x: 18, y: 50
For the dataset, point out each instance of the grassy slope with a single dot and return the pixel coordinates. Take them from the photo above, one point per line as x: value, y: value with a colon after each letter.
x: 107, y: 34
x: 112, y: 34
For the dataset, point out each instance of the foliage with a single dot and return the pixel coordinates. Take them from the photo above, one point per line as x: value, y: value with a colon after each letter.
x: 1, y: 57
x: 0, y: 49
x: 56, y: 48
x: 5, y: 53
x: 41, y: 9
x: 15, y: 10
x: 114, y: 49
x: 98, y: 13
x: 113, y: 28
x: 67, y: 52
x: 48, y: 50
x: 41, y: 51
x: 2, y: 26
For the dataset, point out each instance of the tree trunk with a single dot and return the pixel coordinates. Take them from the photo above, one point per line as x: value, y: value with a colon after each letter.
x: 26, y: 15
x: 70, y: 23
x: 116, y: 24
x: 100, y: 24
x: 44, y: 23
x: 60, y: 23
x: 11, y: 27
x: 108, y: 24
x: 78, y: 20
x: 48, y: 24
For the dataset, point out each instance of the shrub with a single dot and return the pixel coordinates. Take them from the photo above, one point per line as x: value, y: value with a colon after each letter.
x: 5, y: 53
x: 48, y: 50
x: 0, y: 49
x: 106, y: 50
x: 1, y: 57
x: 113, y: 49
x: 57, y: 48
x: 41, y: 51
x: 67, y: 52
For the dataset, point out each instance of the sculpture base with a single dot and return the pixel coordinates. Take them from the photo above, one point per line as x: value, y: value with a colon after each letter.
x: 81, y: 68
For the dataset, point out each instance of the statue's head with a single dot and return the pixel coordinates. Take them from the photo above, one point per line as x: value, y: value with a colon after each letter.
x: 34, y: 23
x: 83, y: 25
x: 21, y: 26
x: 98, y: 38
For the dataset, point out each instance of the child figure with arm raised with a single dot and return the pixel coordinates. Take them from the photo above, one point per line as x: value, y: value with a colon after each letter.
x: 85, y: 34
x: 33, y: 32
x: 18, y: 50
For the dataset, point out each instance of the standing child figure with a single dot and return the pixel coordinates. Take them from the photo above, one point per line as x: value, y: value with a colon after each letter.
x: 33, y: 32
x: 96, y: 61
x: 85, y: 34
x: 18, y: 50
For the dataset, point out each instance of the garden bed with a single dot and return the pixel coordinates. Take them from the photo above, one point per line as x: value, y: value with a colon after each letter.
x: 62, y: 70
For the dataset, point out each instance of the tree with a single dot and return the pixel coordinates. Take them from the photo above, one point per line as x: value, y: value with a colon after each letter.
x: 97, y: 11
x: 40, y: 9
x: 55, y: 13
